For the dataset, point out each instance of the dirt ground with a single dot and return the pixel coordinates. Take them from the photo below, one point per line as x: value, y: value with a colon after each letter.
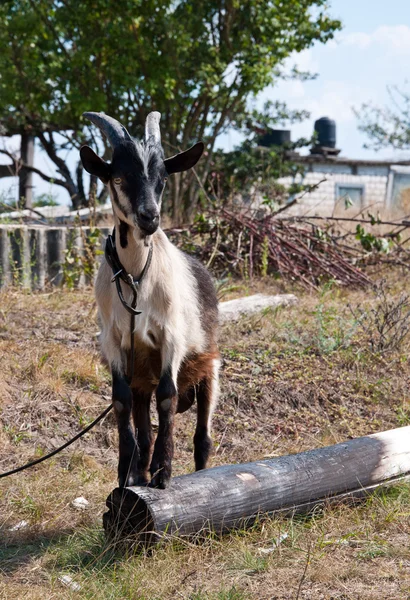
x: 293, y: 379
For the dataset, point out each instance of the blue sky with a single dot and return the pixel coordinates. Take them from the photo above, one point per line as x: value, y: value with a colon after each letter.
x: 372, y: 51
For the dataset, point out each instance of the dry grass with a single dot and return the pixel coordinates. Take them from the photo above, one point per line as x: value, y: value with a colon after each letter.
x: 292, y: 380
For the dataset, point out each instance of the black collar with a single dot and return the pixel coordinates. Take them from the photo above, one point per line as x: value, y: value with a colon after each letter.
x: 119, y: 273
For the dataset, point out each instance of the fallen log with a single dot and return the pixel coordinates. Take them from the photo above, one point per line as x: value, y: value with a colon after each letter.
x: 232, y: 310
x: 231, y: 496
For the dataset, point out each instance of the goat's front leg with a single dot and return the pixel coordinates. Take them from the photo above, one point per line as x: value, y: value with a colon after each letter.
x: 161, y: 464
x: 128, y: 449
x: 115, y: 347
x: 142, y: 422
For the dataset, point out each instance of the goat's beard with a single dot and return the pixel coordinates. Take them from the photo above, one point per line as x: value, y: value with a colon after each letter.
x: 139, y: 235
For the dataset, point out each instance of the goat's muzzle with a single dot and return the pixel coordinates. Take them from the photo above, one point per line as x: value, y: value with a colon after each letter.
x: 148, y: 220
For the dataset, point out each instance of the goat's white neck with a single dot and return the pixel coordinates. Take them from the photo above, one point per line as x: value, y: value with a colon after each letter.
x: 134, y: 256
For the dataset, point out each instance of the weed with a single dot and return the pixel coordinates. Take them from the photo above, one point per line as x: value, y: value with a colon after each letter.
x: 386, y: 324
x: 329, y: 332
x: 80, y: 379
x: 225, y: 594
x: 264, y: 256
x: 84, y: 549
x: 371, y: 242
x: 81, y: 261
x: 225, y: 287
x: 16, y: 436
x: 43, y: 359
x: 29, y: 507
x: 403, y: 416
x: 245, y: 268
x: 333, y: 331
x: 251, y: 563
x: 373, y: 550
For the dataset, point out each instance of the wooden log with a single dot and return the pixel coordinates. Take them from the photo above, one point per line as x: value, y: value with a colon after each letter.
x: 232, y: 310
x: 230, y: 496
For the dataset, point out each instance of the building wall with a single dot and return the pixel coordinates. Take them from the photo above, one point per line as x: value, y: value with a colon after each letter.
x: 322, y: 200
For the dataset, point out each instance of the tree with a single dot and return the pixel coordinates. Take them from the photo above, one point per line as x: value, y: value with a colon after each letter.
x: 252, y: 170
x: 387, y: 126
x: 198, y: 63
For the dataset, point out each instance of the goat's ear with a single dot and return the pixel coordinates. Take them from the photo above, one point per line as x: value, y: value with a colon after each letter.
x: 185, y: 160
x: 95, y: 165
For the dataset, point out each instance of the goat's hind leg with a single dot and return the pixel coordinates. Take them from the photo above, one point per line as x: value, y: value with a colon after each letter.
x: 207, y: 396
x: 128, y: 449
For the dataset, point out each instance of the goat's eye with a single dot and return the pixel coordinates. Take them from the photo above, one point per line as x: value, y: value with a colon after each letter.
x: 117, y: 180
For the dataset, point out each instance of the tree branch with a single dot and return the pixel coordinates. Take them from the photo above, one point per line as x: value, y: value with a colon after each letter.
x: 7, y: 171
x: 49, y: 147
x: 13, y: 170
x: 50, y: 27
x: 80, y: 183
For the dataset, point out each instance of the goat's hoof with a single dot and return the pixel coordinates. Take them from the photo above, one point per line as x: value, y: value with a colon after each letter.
x: 159, y: 484
x: 122, y: 481
x: 127, y: 481
x: 160, y: 480
x: 142, y: 480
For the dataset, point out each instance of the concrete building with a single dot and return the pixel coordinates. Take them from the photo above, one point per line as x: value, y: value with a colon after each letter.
x: 343, y: 181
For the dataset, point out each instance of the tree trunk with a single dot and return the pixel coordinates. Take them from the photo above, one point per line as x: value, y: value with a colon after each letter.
x: 25, y: 176
x: 103, y: 195
x: 176, y: 199
x: 192, y: 200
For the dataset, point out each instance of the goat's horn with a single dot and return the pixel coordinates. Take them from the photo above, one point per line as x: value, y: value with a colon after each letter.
x: 111, y: 128
x: 152, y: 132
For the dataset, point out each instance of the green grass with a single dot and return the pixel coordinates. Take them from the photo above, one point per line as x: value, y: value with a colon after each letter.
x: 232, y: 566
x: 292, y: 380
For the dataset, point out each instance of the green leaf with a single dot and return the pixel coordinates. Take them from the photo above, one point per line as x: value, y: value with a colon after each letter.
x: 199, y: 63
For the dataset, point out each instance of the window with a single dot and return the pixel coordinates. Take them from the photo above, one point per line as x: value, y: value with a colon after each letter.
x: 351, y: 193
x: 398, y: 191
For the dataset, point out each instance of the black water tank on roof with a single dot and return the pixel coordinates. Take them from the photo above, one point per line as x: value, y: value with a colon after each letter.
x: 275, y: 137
x: 326, y: 132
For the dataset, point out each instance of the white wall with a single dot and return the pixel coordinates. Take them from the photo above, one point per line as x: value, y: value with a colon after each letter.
x: 322, y: 200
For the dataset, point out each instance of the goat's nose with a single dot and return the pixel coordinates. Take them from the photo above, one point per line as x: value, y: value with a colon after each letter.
x: 148, y: 214
x: 148, y: 218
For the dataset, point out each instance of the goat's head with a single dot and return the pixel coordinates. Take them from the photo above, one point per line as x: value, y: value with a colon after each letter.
x: 138, y: 171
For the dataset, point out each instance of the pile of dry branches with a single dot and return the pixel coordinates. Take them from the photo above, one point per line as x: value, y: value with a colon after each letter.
x: 309, y: 250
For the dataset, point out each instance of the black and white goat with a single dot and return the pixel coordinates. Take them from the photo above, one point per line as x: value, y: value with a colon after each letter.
x: 175, y: 336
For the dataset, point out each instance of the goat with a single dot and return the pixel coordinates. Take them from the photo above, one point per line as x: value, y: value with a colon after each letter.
x: 175, y: 336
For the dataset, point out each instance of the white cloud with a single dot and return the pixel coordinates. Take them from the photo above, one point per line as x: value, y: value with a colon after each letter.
x: 336, y: 100
x: 397, y: 38
x: 394, y: 39
x: 291, y: 89
x: 358, y: 39
x: 305, y: 61
x: 296, y: 89
x: 353, y: 69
